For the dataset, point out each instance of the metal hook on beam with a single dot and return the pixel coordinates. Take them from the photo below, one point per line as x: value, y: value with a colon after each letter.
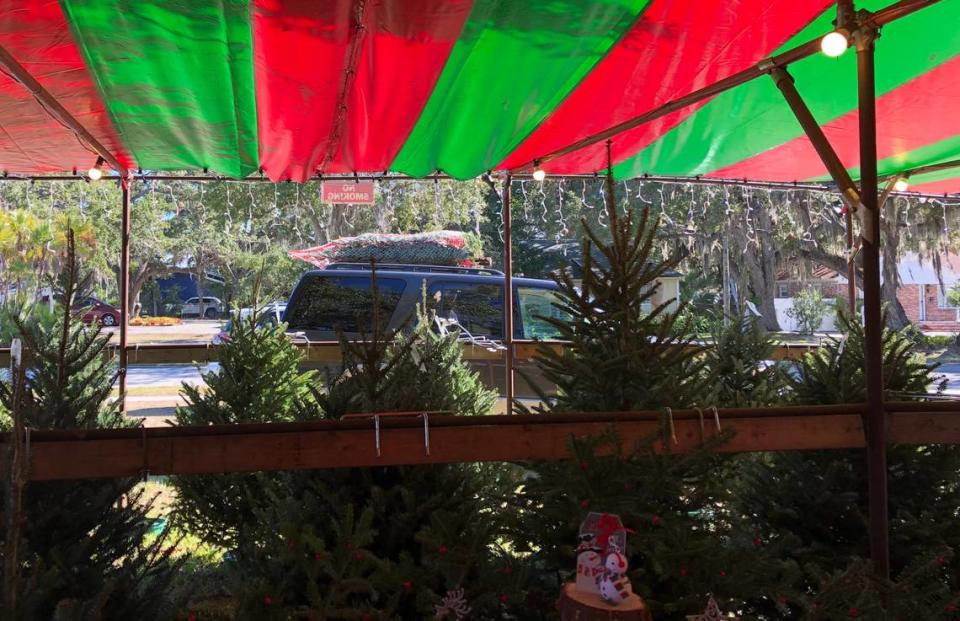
x: 426, y: 433
x: 673, y: 431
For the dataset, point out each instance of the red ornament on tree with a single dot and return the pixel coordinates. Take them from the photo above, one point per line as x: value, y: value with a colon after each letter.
x: 443, y: 549
x: 655, y: 520
x: 267, y: 600
x: 854, y: 612
x: 503, y: 599
x: 584, y: 504
x: 359, y: 556
x: 407, y: 586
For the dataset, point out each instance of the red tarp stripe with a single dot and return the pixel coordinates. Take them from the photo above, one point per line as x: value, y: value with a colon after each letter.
x: 902, y: 126
x: 302, y: 51
x: 36, y: 33
x: 674, y: 49
x: 946, y: 186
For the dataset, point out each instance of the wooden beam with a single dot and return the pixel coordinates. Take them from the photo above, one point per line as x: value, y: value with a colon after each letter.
x: 56, y: 455
x: 60, y: 455
x: 329, y: 351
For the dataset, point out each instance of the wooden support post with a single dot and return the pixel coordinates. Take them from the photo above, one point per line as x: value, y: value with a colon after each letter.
x: 508, y: 291
x: 124, y: 285
x: 875, y: 420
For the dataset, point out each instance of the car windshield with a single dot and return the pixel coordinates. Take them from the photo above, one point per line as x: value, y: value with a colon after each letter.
x: 537, y: 309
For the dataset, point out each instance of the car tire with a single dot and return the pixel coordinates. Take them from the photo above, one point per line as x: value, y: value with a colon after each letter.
x: 108, y: 320
x: 210, y: 313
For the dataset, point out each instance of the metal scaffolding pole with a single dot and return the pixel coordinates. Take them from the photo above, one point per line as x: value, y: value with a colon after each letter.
x: 875, y: 420
x: 124, y: 286
x: 508, y: 290
x: 851, y: 264
x: 56, y: 110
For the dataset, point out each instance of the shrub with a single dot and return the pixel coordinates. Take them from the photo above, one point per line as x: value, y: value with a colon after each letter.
x: 808, y: 310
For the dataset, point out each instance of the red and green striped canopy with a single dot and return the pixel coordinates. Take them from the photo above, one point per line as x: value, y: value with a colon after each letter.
x: 300, y: 87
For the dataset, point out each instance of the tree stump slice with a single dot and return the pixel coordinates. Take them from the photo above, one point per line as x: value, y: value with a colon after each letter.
x: 576, y: 606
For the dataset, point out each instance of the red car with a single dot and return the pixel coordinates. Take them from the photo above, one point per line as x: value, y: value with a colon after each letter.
x: 98, y: 310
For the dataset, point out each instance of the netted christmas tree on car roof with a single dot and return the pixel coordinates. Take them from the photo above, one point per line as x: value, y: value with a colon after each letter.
x: 685, y: 543
x: 75, y: 549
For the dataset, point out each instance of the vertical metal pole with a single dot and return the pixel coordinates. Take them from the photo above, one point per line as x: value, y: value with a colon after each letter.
x: 851, y: 266
x: 865, y: 38
x: 508, y: 290
x: 124, y: 286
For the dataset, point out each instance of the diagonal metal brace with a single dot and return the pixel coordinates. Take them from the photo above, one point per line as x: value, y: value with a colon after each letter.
x: 848, y: 189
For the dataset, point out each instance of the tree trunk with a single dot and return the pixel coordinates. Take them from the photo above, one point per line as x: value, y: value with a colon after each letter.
x: 764, y: 284
x: 758, y: 261
x: 137, y: 282
x: 200, y: 281
x: 889, y: 225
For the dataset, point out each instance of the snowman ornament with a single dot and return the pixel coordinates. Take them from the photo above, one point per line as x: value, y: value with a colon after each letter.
x: 613, y: 583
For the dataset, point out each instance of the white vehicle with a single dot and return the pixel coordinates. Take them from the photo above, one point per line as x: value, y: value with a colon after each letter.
x: 274, y: 309
x: 212, y: 308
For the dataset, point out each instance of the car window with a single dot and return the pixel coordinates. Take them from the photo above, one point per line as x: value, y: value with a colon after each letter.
x: 343, y: 303
x: 535, y: 305
x: 209, y: 301
x: 191, y: 301
x: 477, y: 307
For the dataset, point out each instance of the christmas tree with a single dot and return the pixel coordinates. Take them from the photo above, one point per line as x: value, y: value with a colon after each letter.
x: 685, y: 544
x: 621, y: 355
x: 372, y: 543
x: 815, y: 502
x: 738, y: 371
x: 81, y: 550
x: 258, y: 380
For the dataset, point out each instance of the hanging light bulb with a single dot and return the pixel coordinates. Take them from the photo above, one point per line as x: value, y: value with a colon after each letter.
x: 96, y: 172
x: 539, y: 174
x: 901, y: 184
x: 834, y: 44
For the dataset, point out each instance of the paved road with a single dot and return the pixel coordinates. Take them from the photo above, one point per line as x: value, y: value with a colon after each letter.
x: 952, y: 372
x: 164, y: 375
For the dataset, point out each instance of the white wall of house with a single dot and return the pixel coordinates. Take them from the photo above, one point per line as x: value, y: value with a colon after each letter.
x: 789, y: 325
x: 668, y: 291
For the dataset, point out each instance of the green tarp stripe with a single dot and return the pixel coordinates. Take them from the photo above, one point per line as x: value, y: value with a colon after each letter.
x: 177, y: 79
x: 512, y: 66
x: 754, y: 118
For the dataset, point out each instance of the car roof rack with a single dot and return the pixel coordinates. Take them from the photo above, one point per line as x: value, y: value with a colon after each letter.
x: 403, y: 267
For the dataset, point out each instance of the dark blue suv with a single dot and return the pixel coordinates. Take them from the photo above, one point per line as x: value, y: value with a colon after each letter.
x: 339, y: 299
